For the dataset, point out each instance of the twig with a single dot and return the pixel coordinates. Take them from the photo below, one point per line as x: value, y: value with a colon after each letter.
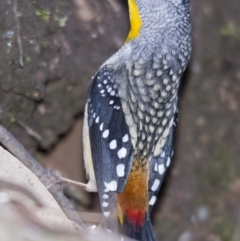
x: 19, y: 41
x: 50, y: 180
x: 30, y: 131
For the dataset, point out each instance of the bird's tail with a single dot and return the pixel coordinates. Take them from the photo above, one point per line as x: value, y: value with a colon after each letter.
x: 143, y: 233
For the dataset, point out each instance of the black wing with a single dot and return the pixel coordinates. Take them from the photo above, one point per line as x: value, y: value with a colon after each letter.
x: 111, y: 146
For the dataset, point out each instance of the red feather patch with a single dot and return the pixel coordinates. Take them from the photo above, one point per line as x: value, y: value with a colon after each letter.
x: 136, y: 218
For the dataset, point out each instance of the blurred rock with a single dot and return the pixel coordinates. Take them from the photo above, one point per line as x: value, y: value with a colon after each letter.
x: 202, y: 214
x: 49, y: 51
x: 186, y: 236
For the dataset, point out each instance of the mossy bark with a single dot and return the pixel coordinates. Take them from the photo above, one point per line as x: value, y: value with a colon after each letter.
x: 49, y: 51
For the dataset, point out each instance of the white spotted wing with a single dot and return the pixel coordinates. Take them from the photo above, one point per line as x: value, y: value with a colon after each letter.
x: 111, y: 146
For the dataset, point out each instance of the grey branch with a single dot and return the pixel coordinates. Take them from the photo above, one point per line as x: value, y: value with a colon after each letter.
x: 48, y: 178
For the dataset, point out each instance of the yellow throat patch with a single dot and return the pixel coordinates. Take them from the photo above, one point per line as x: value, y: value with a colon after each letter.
x: 135, y: 20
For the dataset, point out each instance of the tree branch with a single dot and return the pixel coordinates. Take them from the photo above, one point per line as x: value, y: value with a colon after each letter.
x: 48, y: 178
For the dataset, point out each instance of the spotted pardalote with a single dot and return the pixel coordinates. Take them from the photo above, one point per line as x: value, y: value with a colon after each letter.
x: 131, y: 115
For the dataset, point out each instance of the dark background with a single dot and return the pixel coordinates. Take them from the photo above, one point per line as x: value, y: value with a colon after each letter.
x: 49, y: 51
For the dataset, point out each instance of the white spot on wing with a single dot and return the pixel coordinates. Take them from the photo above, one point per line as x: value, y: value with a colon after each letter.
x: 97, y: 119
x: 101, y: 127
x: 106, y: 190
x: 122, y: 153
x: 163, y: 154
x: 111, y: 186
x: 152, y: 200
x: 105, y: 133
x: 168, y: 162
x: 120, y: 170
x: 105, y: 204
x: 105, y: 196
x: 107, y: 214
x: 125, y: 138
x: 113, y: 144
x: 161, y: 169
x: 155, y: 185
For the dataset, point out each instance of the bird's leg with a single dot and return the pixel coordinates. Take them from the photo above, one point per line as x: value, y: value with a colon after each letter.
x: 71, y: 182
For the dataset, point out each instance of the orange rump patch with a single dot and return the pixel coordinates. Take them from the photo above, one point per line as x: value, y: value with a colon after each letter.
x: 133, y: 201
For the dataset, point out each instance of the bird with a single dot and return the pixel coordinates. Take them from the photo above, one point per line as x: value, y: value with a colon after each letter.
x: 131, y: 115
